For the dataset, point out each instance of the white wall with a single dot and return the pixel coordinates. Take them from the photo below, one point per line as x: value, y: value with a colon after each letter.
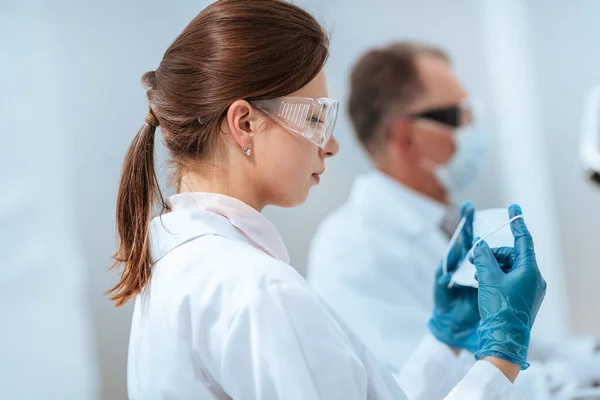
x: 108, y: 45
x: 524, y: 164
x: 565, y: 46
x: 45, y: 333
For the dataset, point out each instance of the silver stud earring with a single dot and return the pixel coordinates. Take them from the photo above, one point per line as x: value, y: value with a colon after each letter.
x: 248, y: 151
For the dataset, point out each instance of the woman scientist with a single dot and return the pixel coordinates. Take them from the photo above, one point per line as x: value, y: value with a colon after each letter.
x: 241, y: 99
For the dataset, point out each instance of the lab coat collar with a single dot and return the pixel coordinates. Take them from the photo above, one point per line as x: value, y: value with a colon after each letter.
x: 388, y: 202
x: 196, y: 214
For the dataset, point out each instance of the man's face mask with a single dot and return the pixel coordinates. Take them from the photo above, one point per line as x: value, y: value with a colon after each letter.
x: 463, y: 167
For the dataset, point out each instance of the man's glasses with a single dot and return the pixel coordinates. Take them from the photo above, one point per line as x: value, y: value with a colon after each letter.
x: 454, y: 116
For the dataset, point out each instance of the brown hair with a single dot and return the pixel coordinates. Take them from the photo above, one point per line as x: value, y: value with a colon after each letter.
x: 233, y: 49
x: 385, y: 79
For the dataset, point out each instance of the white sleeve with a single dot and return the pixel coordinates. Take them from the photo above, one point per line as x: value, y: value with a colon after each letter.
x: 434, y: 370
x: 284, y: 345
x: 483, y: 381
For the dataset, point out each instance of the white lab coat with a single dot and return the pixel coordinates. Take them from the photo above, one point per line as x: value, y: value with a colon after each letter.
x: 225, y: 316
x: 374, y: 261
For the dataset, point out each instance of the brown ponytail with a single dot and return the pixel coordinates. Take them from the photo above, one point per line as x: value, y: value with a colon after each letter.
x: 233, y: 49
x: 138, y: 191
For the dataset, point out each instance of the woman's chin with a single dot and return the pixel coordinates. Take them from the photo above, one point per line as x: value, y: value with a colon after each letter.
x: 292, y: 200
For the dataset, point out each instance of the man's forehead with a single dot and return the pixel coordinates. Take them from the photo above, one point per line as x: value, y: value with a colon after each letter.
x: 442, y: 88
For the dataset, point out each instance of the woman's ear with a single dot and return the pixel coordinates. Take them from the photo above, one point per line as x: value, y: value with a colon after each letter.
x: 241, y: 121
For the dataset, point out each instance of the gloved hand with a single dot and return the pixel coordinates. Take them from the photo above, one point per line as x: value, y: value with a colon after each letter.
x: 456, y: 315
x: 511, y: 290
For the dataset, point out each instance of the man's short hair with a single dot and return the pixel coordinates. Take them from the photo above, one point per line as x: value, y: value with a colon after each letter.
x: 385, y: 79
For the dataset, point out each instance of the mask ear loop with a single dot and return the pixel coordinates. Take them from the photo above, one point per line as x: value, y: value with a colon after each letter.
x: 490, y: 234
x: 453, y: 240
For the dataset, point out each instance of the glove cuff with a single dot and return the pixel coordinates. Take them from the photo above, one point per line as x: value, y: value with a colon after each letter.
x: 499, y: 354
x: 504, y: 335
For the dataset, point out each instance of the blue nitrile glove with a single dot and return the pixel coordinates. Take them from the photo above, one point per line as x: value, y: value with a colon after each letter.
x: 455, y: 314
x: 511, y: 290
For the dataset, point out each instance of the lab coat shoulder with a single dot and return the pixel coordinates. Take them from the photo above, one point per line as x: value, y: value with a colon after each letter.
x: 259, y: 329
x: 349, y: 253
x: 215, y: 278
x: 227, y: 262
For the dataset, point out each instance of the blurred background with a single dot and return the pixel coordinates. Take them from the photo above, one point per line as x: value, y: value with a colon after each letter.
x: 71, y: 102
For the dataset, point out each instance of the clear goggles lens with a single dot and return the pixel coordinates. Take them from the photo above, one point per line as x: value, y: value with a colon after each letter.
x: 312, y: 118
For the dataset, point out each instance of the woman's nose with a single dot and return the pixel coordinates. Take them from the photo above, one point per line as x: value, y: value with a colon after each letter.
x: 331, y: 148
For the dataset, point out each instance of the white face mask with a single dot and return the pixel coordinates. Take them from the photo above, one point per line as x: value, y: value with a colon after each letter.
x: 464, y: 166
x: 457, y: 233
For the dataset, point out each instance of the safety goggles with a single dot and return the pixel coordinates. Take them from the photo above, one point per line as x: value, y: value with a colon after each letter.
x: 314, y: 119
x: 454, y: 116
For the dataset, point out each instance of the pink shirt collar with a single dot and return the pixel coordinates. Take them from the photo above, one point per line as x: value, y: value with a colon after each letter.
x: 255, y: 227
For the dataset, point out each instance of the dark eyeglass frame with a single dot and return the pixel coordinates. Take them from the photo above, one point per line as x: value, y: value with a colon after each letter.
x: 453, y: 116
